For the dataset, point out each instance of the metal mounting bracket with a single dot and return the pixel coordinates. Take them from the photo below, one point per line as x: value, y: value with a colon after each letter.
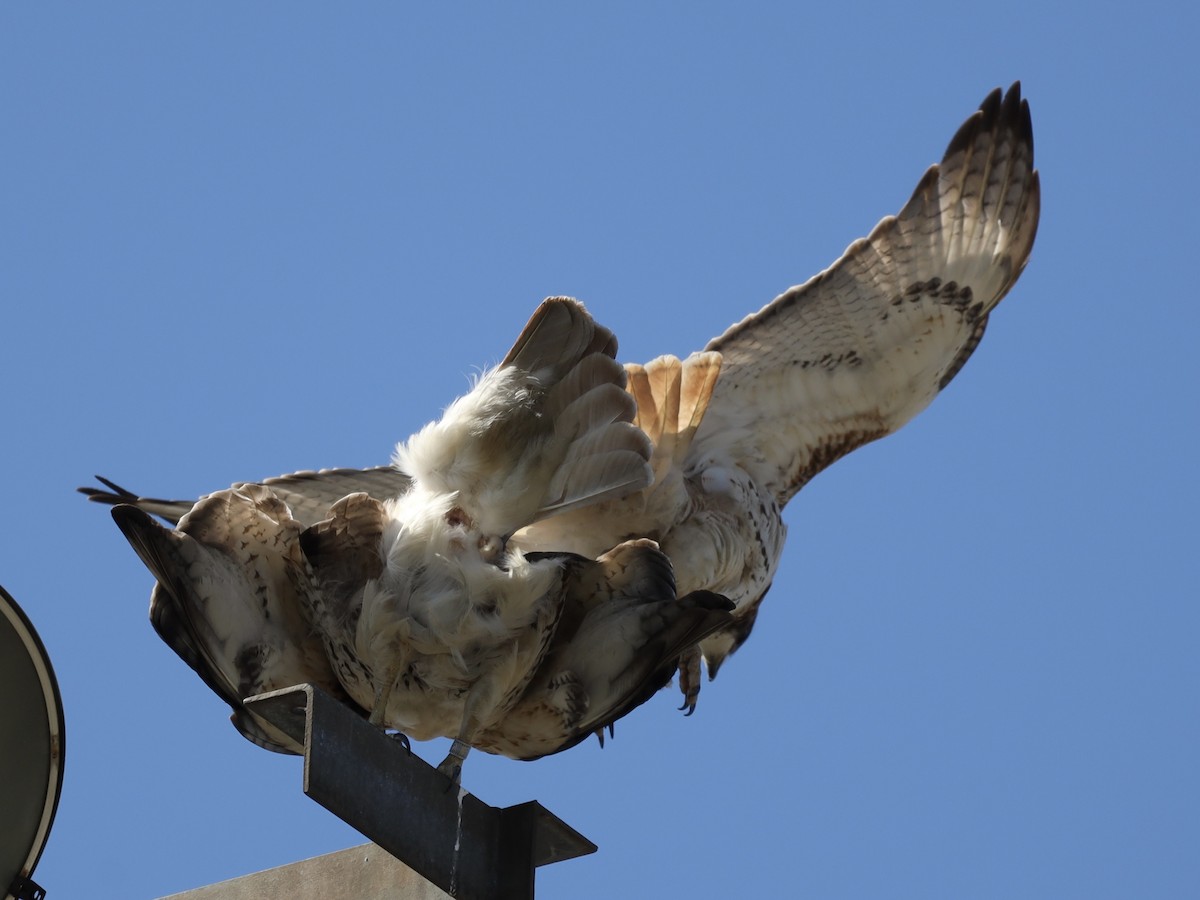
x: 371, y: 781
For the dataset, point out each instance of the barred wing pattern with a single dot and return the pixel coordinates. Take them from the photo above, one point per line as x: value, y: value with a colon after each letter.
x: 686, y: 476
x: 858, y: 350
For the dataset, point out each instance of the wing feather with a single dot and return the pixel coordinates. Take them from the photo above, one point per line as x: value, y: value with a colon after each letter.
x: 308, y: 494
x: 230, y: 599
x: 618, y: 642
x: 858, y: 350
x: 550, y: 429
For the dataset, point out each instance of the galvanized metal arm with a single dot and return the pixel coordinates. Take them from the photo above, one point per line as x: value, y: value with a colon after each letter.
x: 467, y: 848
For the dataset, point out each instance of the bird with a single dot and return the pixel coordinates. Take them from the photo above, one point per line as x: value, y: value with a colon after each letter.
x: 846, y: 358
x: 417, y: 611
x: 737, y: 429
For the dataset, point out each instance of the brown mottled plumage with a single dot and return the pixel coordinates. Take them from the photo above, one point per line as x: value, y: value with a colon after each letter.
x: 417, y: 609
x: 733, y: 434
x: 232, y: 599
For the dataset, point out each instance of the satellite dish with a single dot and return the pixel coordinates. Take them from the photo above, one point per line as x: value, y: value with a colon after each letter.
x: 31, y: 750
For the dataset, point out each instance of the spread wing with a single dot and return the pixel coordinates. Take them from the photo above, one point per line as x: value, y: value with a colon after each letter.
x: 858, y: 350
x: 308, y: 494
x: 232, y: 599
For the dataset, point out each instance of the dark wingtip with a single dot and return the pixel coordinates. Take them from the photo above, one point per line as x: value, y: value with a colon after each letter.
x: 963, y: 137
x: 1016, y: 116
x: 114, y: 494
x: 1023, y: 121
x: 991, y: 105
x: 1005, y: 107
x: 124, y: 513
x: 1011, y: 108
x: 146, y: 537
x: 131, y: 520
x: 113, y: 486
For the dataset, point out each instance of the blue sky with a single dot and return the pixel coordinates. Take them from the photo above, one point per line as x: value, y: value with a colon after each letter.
x: 242, y: 239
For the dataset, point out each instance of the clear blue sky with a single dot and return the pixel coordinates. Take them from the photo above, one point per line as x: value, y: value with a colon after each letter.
x: 242, y: 239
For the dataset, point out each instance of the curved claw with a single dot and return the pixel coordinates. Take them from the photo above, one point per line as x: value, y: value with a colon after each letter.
x: 401, y: 738
x: 451, y: 766
x: 453, y: 773
x: 689, y: 678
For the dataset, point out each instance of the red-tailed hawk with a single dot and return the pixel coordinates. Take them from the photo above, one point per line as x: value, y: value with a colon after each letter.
x: 419, y: 609
x: 672, y: 483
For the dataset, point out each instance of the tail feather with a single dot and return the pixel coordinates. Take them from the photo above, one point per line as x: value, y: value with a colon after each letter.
x: 672, y: 397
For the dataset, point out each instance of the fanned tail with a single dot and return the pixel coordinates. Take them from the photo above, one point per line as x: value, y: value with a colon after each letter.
x: 672, y: 397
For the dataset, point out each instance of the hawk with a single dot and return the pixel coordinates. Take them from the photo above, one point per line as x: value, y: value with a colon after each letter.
x: 723, y: 440
x: 420, y: 610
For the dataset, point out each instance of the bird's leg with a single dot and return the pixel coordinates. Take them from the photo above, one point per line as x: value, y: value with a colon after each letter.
x: 451, y: 766
x: 478, y: 698
x: 385, y: 667
x: 383, y: 690
x: 689, y: 678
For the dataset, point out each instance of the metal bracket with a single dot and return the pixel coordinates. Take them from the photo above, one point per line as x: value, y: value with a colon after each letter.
x: 406, y: 806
